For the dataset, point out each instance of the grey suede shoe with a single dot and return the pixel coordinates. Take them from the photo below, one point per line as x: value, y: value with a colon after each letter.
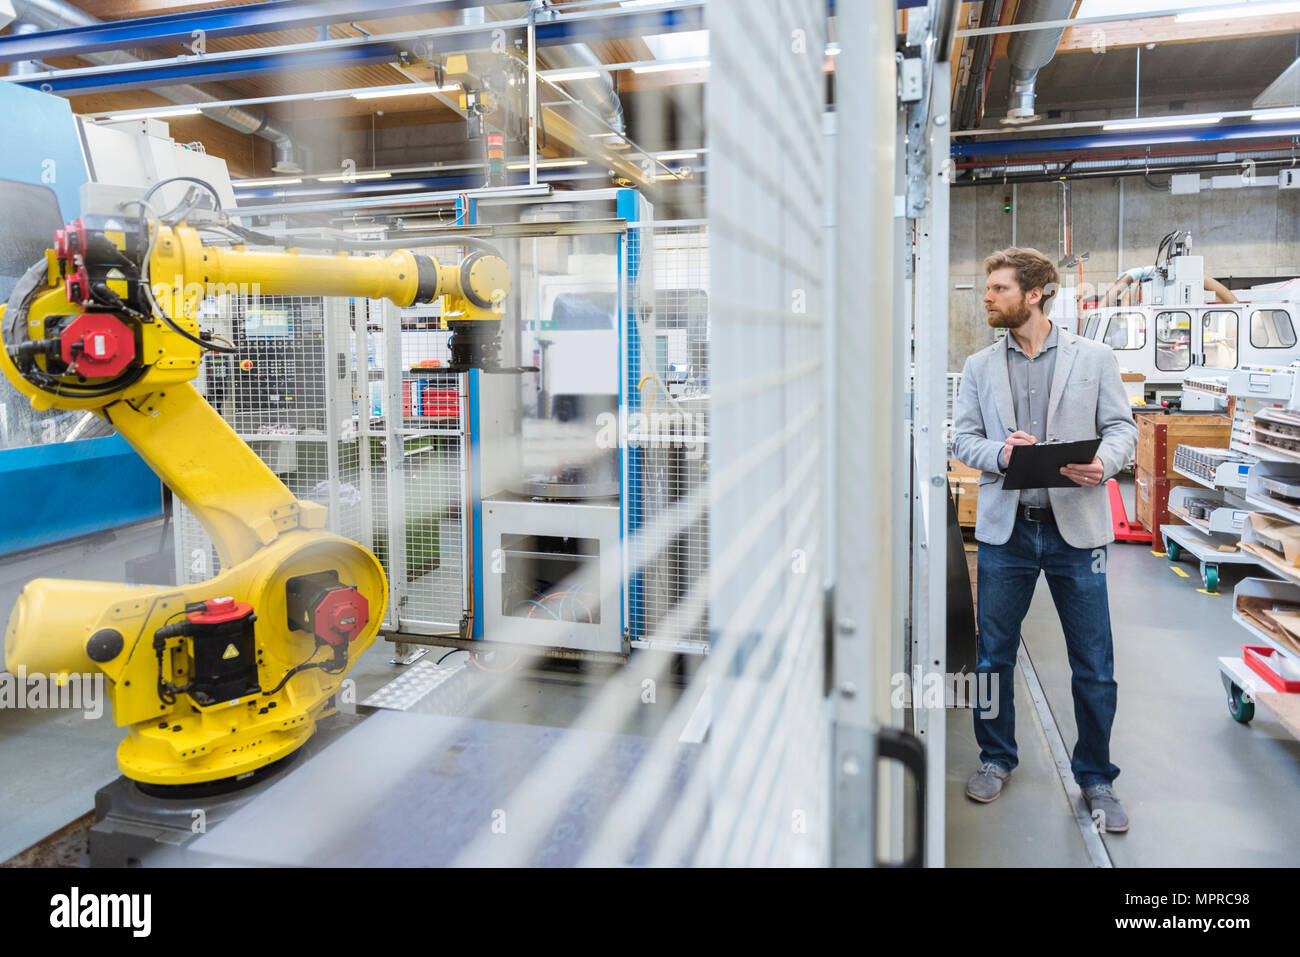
x: 986, y: 784
x: 1106, y: 809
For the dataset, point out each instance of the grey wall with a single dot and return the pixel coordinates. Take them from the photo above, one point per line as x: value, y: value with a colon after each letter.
x: 1251, y: 231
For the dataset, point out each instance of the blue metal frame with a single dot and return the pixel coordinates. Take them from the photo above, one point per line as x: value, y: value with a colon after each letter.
x: 630, y: 250
x: 476, y: 505
x: 343, y: 53
x: 1149, y: 137
x: 467, y: 214
x: 225, y: 22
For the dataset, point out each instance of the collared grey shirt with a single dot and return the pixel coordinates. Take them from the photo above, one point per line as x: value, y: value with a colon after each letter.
x: 1031, y: 383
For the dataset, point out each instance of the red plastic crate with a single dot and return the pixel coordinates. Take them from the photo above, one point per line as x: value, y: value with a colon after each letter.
x: 440, y: 401
x: 1257, y: 658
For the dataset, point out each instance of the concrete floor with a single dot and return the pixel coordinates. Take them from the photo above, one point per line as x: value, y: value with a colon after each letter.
x: 1200, y: 789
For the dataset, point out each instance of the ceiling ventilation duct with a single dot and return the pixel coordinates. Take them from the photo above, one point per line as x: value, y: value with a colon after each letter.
x: 1031, y: 50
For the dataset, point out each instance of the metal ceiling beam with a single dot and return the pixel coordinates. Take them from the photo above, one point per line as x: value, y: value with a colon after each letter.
x: 1135, y: 137
x: 223, y: 22
x: 410, y: 46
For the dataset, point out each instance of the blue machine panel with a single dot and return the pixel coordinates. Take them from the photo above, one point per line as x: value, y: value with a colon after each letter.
x: 66, y: 489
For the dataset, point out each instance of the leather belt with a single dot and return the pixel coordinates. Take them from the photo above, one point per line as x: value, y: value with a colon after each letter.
x: 1035, y: 513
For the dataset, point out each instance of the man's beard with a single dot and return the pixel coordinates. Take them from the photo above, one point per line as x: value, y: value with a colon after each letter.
x: 1013, y: 319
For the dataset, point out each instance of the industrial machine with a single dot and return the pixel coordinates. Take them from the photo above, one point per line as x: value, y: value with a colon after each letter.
x: 221, y: 680
x: 1173, y: 321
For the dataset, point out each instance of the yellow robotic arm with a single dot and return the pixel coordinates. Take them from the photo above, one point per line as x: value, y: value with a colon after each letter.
x: 219, y: 680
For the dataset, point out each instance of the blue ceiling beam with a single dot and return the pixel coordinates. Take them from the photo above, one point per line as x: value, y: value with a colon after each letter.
x: 472, y: 179
x: 224, y: 22
x: 1148, y: 137
x: 343, y: 53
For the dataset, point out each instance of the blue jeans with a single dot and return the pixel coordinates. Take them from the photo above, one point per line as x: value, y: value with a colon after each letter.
x: 1077, y: 579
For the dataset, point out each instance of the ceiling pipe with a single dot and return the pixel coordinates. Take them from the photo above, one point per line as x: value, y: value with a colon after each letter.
x: 26, y: 67
x: 973, y: 109
x: 1031, y: 50
x: 56, y: 15
x: 1202, y: 163
x: 597, y: 92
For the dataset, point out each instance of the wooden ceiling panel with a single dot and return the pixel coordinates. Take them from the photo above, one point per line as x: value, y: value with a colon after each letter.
x: 127, y: 9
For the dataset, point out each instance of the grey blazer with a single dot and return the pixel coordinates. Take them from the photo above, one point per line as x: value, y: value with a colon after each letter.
x: 1087, y: 400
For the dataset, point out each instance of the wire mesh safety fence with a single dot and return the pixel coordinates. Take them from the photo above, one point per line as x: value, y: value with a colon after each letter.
x: 756, y: 791
x: 672, y: 436
x: 343, y: 402
x: 423, y: 502
x: 288, y: 393
x: 723, y: 337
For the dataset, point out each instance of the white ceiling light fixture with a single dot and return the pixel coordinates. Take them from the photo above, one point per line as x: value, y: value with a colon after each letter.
x: 665, y: 67
x: 549, y: 164
x: 273, y: 181
x: 678, y: 155
x: 1276, y: 115
x: 158, y: 114
x: 1238, y: 10
x: 1161, y: 122
x: 411, y: 91
x: 563, y: 76
x: 347, y: 177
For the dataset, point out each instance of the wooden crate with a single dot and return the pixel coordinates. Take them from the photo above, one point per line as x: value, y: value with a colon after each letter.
x: 964, y: 483
x: 1160, y: 435
x: 1151, y: 500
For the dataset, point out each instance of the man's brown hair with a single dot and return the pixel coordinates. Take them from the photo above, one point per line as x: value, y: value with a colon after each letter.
x: 1033, y: 270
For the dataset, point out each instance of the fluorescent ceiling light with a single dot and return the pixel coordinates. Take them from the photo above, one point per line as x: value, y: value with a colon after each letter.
x: 565, y: 75
x: 1237, y: 10
x: 549, y: 164
x: 1158, y: 122
x: 677, y: 155
x: 379, y: 94
x: 606, y: 135
x: 664, y: 67
x: 345, y: 177
x: 273, y: 181
x: 1276, y: 115
x: 158, y: 114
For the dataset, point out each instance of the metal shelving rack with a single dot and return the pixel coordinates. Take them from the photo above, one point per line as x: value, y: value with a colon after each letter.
x: 1205, y: 537
x: 1257, y: 392
x: 1211, y: 539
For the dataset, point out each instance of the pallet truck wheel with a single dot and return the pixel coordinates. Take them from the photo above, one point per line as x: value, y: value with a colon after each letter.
x: 1174, y: 551
x: 1211, y: 576
x: 1240, y: 709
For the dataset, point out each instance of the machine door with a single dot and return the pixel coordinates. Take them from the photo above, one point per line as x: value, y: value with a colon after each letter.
x: 1173, y: 341
x: 1215, y: 339
x: 1272, y: 335
x: 1126, y: 332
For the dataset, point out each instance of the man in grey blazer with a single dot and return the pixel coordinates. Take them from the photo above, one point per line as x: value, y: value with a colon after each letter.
x: 1043, y: 384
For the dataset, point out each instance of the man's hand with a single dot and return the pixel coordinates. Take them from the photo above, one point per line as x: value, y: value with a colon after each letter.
x: 1011, y: 441
x: 1085, y: 475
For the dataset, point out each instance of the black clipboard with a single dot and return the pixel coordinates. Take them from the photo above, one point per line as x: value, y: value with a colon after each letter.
x: 1039, y: 466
